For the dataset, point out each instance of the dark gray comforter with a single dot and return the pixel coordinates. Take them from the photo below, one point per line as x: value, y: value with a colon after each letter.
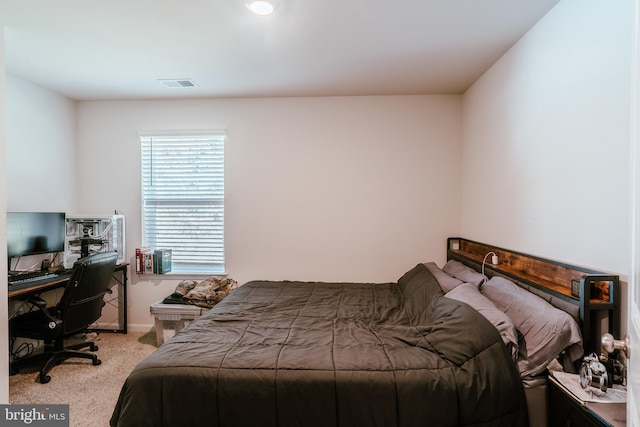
x: 329, y: 354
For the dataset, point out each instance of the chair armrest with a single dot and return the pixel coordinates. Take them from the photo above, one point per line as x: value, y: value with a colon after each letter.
x: 42, y: 306
x: 37, y: 301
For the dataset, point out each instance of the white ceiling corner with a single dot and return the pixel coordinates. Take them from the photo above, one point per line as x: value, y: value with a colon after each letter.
x: 121, y: 49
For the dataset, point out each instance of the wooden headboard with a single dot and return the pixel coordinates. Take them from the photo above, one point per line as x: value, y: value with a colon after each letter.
x: 585, y: 294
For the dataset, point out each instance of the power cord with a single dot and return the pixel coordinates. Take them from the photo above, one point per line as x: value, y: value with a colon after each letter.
x: 494, y: 260
x: 25, y: 349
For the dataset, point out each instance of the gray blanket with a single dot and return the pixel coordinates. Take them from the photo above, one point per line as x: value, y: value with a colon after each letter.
x: 329, y: 354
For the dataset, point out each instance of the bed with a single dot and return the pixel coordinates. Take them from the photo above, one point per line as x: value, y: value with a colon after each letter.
x: 418, y: 351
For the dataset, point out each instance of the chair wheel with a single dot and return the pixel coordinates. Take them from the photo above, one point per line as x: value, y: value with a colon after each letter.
x: 44, y: 378
x: 96, y: 362
x: 93, y: 347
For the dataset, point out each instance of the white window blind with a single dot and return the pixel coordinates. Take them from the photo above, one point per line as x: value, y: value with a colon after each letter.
x: 183, y: 199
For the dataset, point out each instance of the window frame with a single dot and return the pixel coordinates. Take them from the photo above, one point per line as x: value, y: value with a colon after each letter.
x: 205, y: 253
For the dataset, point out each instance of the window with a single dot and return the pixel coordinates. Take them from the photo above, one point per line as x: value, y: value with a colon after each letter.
x: 183, y: 199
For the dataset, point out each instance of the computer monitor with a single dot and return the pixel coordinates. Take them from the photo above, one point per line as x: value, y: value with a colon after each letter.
x: 32, y: 233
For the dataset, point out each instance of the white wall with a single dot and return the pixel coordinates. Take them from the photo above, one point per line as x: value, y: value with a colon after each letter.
x: 41, y: 148
x: 546, y: 140
x: 334, y: 189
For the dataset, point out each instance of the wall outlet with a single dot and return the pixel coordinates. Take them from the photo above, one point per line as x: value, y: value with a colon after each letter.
x: 575, y: 288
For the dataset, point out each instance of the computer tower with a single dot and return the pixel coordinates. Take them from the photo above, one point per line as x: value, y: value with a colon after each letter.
x: 89, y: 234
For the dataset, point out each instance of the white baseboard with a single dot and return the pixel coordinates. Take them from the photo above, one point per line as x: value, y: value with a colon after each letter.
x: 136, y: 327
x: 141, y: 327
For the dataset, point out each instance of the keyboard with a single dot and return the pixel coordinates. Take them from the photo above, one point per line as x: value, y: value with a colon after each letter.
x: 31, y: 276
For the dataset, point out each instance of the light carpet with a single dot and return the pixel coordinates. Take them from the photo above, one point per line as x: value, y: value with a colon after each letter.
x: 91, y: 391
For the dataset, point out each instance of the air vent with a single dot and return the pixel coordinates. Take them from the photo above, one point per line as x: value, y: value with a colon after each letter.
x: 177, y: 83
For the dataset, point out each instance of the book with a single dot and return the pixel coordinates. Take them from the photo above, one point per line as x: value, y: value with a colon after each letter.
x: 162, y: 261
x: 141, y: 259
x: 148, y: 262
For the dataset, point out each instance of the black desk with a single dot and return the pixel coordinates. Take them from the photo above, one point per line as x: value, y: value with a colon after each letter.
x: 120, y: 277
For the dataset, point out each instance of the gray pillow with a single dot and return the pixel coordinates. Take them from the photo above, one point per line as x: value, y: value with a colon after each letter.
x: 546, y: 331
x: 470, y: 294
x: 446, y: 281
x: 462, y: 272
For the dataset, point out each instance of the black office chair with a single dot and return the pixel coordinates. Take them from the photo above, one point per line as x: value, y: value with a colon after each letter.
x: 80, y: 306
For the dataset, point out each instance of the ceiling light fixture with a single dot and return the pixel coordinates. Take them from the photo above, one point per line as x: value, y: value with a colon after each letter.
x: 261, y: 7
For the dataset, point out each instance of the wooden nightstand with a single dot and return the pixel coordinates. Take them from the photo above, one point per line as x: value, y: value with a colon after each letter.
x: 565, y: 410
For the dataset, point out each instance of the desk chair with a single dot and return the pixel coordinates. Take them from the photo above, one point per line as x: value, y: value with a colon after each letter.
x: 80, y: 306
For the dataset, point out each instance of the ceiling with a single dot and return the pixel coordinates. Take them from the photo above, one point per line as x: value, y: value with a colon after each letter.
x: 118, y: 49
